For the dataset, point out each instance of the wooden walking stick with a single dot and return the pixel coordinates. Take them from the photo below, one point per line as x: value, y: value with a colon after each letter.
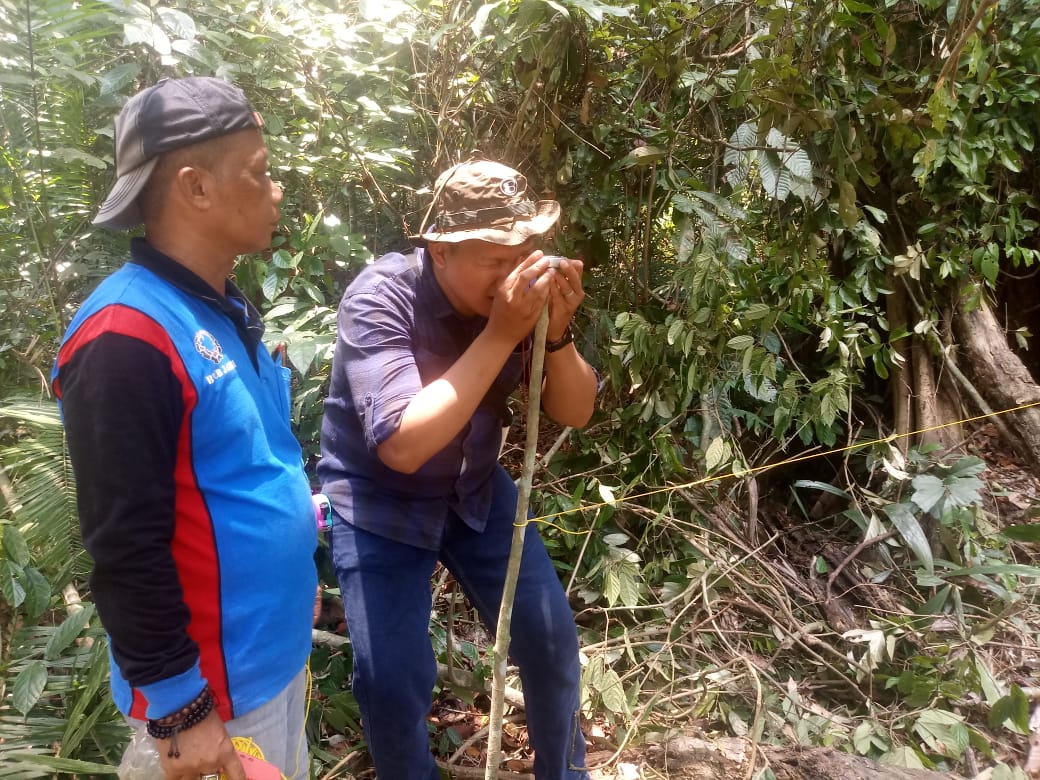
x: 505, y: 612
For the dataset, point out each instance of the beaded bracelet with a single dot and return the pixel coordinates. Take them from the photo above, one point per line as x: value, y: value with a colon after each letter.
x: 190, y: 715
x: 562, y: 341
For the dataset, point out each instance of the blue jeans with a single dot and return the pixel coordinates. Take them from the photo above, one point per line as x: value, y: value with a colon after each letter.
x: 386, y: 598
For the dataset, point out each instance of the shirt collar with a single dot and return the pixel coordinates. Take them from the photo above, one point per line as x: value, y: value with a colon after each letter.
x: 143, y: 253
x: 232, y: 304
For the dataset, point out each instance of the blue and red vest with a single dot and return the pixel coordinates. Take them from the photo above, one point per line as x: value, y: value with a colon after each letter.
x: 244, y: 533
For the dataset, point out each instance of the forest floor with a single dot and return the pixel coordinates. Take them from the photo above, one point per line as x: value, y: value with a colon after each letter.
x: 694, y: 750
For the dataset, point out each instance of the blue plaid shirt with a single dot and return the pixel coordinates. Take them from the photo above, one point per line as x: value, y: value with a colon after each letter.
x: 396, y: 333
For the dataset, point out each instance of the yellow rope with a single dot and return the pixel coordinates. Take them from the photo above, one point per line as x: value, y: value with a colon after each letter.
x: 249, y: 747
x: 544, y: 519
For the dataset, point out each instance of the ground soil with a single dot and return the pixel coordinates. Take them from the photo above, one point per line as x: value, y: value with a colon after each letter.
x: 459, y: 723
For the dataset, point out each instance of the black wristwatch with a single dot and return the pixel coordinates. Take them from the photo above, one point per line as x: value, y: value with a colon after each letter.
x: 562, y: 341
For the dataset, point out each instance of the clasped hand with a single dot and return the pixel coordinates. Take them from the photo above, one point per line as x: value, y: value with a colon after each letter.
x: 524, y: 292
x: 204, y: 749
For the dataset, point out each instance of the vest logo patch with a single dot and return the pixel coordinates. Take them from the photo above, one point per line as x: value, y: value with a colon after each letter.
x: 207, y: 346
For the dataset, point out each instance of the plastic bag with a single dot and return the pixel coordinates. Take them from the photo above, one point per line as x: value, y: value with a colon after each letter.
x: 141, y: 758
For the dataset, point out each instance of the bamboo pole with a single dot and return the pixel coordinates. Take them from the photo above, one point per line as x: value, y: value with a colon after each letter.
x: 505, y: 611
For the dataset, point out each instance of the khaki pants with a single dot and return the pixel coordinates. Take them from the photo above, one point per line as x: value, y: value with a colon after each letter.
x: 277, y: 728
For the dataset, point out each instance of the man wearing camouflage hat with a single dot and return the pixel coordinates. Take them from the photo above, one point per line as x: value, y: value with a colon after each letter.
x: 429, y: 347
x: 190, y: 484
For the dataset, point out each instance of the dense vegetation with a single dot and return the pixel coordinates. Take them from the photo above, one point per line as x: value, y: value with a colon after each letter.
x: 806, y: 226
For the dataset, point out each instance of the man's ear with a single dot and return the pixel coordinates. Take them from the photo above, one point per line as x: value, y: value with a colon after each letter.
x: 194, y: 185
x: 438, y: 252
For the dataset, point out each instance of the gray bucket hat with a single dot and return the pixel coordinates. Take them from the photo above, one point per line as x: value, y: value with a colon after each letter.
x: 169, y: 115
x: 485, y: 200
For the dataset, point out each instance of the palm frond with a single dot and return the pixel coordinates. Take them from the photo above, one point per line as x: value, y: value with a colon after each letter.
x: 42, y: 500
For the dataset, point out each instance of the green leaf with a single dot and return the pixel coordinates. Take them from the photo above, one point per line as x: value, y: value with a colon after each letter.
x: 967, y: 467
x: 282, y: 259
x: 274, y: 285
x: 37, y: 593
x: 629, y: 585
x: 281, y: 310
x: 28, y: 686
x: 612, y: 692
x: 943, y: 732
x: 717, y: 453
x: 1013, y: 569
x: 596, y: 10
x: 301, y: 353
x: 863, y: 737
x: 119, y: 77
x: 644, y: 155
x: 481, y: 16
x: 963, y: 491
x: 1023, y: 533
x: 987, y: 681
x: 902, y: 756
x: 674, y: 330
x: 178, y: 23
x: 740, y: 343
x: 611, y: 585
x: 824, y: 486
x: 1002, y: 771
x: 67, y: 632
x: 141, y: 30
x: 847, y: 204
x: 1013, y: 708
x: 910, y: 529
x: 15, y: 548
x: 64, y: 765
x: 929, y: 491
x: 757, y: 311
x: 10, y: 586
x: 776, y: 179
x: 71, y: 155
x: 798, y: 163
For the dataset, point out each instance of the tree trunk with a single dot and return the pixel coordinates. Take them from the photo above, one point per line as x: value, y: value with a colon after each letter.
x: 928, y: 411
x: 902, y: 391
x: 1000, y: 378
x: 922, y: 398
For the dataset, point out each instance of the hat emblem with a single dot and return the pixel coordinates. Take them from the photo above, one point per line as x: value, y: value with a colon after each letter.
x: 509, y: 187
x: 207, y: 346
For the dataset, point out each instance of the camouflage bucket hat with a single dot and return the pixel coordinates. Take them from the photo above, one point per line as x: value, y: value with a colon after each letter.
x: 485, y: 200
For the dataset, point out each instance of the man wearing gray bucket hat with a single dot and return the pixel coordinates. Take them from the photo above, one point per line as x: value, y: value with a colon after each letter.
x: 190, y: 484
x: 429, y: 347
